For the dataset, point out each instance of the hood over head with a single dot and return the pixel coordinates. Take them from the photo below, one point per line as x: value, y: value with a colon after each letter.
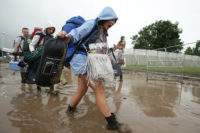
x: 49, y: 25
x: 107, y: 14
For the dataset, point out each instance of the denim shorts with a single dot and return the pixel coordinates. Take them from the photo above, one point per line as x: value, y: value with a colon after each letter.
x: 78, y: 64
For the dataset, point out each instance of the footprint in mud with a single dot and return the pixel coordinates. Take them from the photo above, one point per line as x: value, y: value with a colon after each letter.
x: 174, y: 123
x: 197, y: 114
x: 3, y: 91
x: 52, y: 92
x: 1, y: 80
x: 80, y: 111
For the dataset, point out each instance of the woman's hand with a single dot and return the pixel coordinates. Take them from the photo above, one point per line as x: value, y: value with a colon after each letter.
x: 63, y: 34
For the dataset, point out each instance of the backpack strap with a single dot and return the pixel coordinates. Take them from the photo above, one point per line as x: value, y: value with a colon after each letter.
x: 83, y: 42
x: 41, y: 37
x: 87, y: 38
x: 77, y: 25
x: 22, y: 38
x: 113, y: 55
x: 19, y: 53
x: 82, y: 49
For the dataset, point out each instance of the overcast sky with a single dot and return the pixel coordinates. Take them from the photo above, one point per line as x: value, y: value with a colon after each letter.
x: 133, y: 16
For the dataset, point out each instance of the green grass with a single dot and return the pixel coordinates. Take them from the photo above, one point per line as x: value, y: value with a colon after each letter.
x: 187, y: 70
x: 4, y: 60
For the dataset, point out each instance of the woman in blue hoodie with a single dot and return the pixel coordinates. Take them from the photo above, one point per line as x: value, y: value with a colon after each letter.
x: 99, y: 27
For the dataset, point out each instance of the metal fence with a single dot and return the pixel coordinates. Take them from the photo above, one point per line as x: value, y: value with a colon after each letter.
x: 138, y: 57
x: 162, y: 59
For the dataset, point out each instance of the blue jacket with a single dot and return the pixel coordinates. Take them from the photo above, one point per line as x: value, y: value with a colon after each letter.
x: 86, y: 28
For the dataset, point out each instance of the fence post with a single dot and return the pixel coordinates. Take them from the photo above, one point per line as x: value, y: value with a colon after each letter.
x: 165, y: 61
x: 147, y: 65
x: 183, y: 64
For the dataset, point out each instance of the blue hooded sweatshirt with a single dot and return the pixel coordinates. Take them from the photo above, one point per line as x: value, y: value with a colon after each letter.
x: 86, y: 28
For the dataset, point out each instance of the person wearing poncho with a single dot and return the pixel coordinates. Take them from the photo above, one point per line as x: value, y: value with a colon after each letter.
x: 97, y: 44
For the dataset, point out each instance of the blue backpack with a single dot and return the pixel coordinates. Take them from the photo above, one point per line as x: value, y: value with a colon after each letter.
x: 76, y: 22
x: 72, y: 23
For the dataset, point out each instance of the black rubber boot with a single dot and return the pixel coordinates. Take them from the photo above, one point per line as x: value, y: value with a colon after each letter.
x: 113, y: 124
x: 38, y: 88
x: 71, y: 109
x: 121, y: 78
x: 51, y: 88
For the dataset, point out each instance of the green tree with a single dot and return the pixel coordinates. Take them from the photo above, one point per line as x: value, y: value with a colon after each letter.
x: 161, y: 34
x: 193, y: 51
x: 189, y: 51
x: 197, y: 49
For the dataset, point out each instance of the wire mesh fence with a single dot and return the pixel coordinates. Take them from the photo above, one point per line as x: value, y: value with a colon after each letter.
x: 163, y: 62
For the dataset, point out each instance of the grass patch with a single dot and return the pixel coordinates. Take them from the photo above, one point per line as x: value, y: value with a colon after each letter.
x: 4, y: 60
x: 187, y: 70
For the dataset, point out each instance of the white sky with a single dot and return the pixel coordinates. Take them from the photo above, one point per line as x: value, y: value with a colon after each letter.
x: 133, y: 15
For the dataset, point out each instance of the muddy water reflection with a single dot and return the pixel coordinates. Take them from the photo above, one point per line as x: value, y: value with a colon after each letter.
x: 153, y: 107
x: 156, y: 99
x: 32, y: 114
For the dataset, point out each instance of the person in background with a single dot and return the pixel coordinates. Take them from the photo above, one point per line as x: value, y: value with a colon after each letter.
x: 119, y: 52
x: 117, y: 58
x: 21, y: 48
x: 42, y: 36
x: 37, y: 42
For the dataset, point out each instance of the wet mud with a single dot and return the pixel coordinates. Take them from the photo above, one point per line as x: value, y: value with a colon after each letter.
x: 155, y: 106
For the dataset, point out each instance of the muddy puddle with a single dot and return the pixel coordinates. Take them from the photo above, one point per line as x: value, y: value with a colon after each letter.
x: 154, y: 107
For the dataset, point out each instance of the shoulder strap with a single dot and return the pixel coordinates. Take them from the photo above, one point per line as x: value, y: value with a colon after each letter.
x: 41, y: 37
x: 88, y: 37
x: 114, y: 55
x: 22, y: 38
x: 83, y: 42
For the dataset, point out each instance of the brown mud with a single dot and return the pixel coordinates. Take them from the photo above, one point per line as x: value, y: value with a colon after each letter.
x: 156, y: 106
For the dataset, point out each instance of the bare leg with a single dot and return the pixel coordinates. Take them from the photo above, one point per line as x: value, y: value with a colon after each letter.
x: 82, y: 89
x: 101, y: 99
x: 99, y: 90
x: 113, y: 123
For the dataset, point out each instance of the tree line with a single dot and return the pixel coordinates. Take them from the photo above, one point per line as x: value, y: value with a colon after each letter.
x: 162, y: 34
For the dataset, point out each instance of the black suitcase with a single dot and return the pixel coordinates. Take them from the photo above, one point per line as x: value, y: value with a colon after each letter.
x: 52, y: 61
